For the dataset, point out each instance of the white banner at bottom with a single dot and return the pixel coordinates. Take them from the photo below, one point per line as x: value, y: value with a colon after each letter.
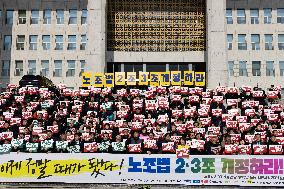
x: 143, y: 169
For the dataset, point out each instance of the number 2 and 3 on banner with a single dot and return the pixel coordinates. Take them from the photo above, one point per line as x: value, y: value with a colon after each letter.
x: 143, y: 78
x: 119, y: 78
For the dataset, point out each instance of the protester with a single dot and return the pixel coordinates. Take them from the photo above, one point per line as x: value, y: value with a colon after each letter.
x: 142, y: 120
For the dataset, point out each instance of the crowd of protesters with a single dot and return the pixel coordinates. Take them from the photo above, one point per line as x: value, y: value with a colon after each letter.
x: 152, y: 120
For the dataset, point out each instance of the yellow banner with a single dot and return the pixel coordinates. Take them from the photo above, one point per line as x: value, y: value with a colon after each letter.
x: 30, y: 169
x: 87, y: 79
x: 143, y: 78
x: 131, y: 78
x: 176, y: 77
x: 200, y: 79
x: 99, y: 79
x: 109, y: 80
x: 188, y: 77
x: 154, y: 78
x: 165, y: 78
x: 120, y: 78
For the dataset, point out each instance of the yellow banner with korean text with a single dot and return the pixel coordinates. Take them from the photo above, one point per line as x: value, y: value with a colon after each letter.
x: 109, y: 80
x: 200, y: 78
x: 131, y: 78
x: 165, y: 78
x: 173, y: 78
x: 87, y: 79
x: 154, y: 79
x: 99, y: 79
x: 176, y: 78
x: 188, y: 77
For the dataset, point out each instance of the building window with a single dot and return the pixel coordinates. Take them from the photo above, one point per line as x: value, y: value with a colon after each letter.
x: 139, y: 68
x: 173, y: 67
x: 60, y: 16
x: 243, y: 68
x: 230, y: 41
x: 113, y: 67
x: 20, y: 42
x: 256, y: 68
x: 19, y: 68
x: 270, y: 68
x: 33, y: 42
x: 59, y: 42
x: 73, y: 16
x: 71, y: 68
x: 22, y: 17
x: 9, y: 17
x: 231, y: 68
x: 83, y: 42
x: 155, y: 67
x: 35, y: 16
x: 57, y: 68
x: 183, y: 67
x: 133, y: 67
x: 83, y: 65
x: 46, y: 42
x: 255, y: 40
x: 267, y: 16
x: 242, y: 43
x: 84, y: 16
x: 281, y: 68
x: 5, y: 68
x: 130, y: 67
x: 229, y: 16
x: 254, y: 16
x: 280, y: 16
x: 44, y: 68
x: 268, y: 41
x: 47, y: 16
x: 32, y: 67
x: 7, y: 42
x: 176, y: 67
x: 71, y: 42
x: 281, y: 41
x: 241, y: 16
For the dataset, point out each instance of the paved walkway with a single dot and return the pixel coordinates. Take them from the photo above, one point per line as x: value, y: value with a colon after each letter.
x: 92, y: 186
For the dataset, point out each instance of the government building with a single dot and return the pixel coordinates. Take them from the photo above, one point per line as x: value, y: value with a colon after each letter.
x: 236, y: 42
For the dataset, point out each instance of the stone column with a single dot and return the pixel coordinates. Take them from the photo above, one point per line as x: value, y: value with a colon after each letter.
x: 96, y: 47
x: 216, y: 55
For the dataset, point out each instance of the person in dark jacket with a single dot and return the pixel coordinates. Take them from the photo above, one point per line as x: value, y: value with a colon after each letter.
x: 135, y: 140
x: 213, y: 147
x: 273, y: 141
